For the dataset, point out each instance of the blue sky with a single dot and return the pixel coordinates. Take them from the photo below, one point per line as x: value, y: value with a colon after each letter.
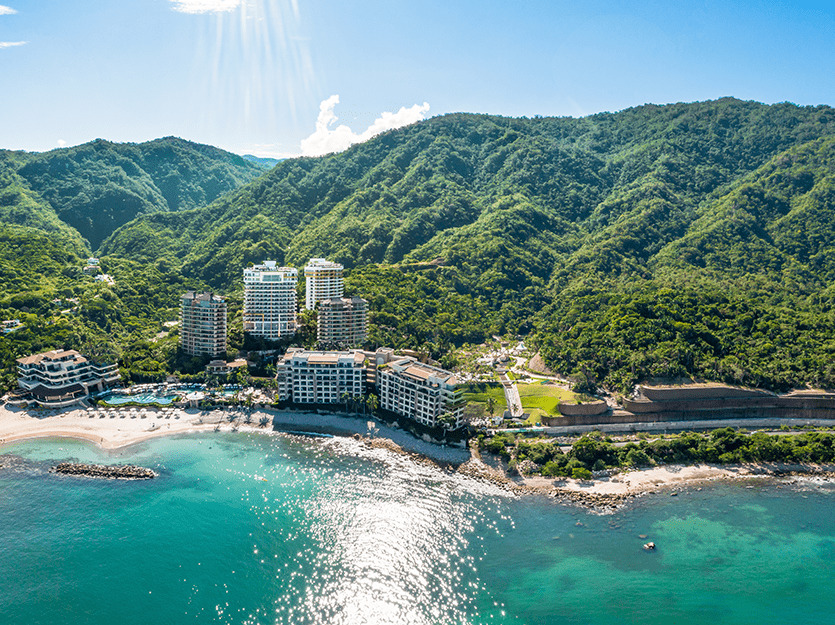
x: 258, y: 75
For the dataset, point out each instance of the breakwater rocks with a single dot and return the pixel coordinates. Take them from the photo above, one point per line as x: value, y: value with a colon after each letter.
x: 390, y: 445
x: 596, y: 502
x: 118, y: 472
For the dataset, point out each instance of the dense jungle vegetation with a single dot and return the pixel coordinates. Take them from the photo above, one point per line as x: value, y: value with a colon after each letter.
x: 660, y: 241
x: 595, y: 452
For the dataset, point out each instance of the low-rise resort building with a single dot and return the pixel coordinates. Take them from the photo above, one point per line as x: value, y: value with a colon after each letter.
x: 420, y: 391
x: 304, y: 377
x: 406, y: 387
x: 62, y: 377
x: 223, y: 368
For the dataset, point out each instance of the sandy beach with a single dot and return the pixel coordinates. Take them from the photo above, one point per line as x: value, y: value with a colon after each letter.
x: 111, y: 428
x: 642, y: 480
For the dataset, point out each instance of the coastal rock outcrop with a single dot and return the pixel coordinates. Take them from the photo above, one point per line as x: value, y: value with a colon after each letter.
x: 118, y: 472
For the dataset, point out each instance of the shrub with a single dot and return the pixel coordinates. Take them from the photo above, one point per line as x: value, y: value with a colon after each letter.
x: 579, y: 473
x: 638, y: 458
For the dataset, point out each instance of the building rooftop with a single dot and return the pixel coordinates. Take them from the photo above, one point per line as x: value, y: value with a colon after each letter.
x: 322, y: 263
x: 324, y: 358
x: 420, y: 371
x: 270, y: 265
x: 55, y: 354
x: 202, y: 297
x: 335, y: 301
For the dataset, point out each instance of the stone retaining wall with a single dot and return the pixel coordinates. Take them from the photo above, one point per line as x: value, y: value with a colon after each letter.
x: 801, y: 406
x: 589, y: 408
x: 707, y: 391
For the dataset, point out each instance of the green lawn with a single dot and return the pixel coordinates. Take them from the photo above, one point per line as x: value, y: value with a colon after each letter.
x: 537, y: 399
x: 496, y: 392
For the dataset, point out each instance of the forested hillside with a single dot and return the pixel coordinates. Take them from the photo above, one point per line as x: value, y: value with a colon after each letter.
x: 98, y: 186
x: 688, y: 239
x: 56, y: 207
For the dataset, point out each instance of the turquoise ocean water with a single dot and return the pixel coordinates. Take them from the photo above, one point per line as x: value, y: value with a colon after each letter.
x: 248, y: 528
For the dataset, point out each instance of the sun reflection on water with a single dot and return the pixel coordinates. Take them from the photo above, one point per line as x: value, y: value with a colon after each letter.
x: 387, y: 541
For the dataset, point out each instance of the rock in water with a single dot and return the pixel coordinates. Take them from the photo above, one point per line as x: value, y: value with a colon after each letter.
x: 119, y: 472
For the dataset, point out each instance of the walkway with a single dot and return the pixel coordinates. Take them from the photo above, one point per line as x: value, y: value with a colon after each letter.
x: 511, y: 395
x: 674, y: 426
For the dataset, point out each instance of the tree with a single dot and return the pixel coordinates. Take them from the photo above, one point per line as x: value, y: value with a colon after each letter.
x: 491, y: 405
x: 447, y: 421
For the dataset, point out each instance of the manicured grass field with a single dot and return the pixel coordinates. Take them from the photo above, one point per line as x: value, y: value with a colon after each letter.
x: 543, y: 397
x: 496, y: 392
x: 537, y: 399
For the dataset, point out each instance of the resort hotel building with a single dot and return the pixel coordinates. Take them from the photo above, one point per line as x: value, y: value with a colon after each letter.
x: 62, y: 377
x: 323, y: 280
x: 305, y: 377
x: 203, y: 324
x: 342, y: 321
x: 418, y: 391
x: 270, y: 300
x: 405, y: 386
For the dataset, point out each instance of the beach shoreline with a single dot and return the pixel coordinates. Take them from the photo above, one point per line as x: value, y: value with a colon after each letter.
x: 608, y: 493
x: 115, y: 428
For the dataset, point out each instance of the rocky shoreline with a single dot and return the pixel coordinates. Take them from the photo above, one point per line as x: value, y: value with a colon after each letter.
x: 117, y: 472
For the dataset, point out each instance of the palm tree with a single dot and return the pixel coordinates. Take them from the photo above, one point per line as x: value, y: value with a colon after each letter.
x: 372, y: 402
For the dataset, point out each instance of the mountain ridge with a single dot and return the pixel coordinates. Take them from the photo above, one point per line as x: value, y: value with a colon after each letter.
x: 98, y: 186
x: 684, y: 239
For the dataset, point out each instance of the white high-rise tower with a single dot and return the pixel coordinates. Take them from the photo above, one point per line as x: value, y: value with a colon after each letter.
x: 270, y: 300
x: 323, y: 280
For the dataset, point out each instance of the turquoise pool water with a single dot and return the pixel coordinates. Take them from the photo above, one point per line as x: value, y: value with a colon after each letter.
x: 143, y: 398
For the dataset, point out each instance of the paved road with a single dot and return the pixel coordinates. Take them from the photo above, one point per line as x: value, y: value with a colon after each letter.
x: 677, y: 426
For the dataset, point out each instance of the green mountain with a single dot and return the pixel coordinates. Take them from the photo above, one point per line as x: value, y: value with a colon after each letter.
x: 55, y: 205
x: 98, y: 186
x: 573, y: 229
x: 660, y: 241
x: 264, y: 162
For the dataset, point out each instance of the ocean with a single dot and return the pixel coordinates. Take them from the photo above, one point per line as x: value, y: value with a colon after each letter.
x: 247, y: 528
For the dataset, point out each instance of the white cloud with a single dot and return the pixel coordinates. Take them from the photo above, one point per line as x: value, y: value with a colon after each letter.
x: 325, y: 139
x: 11, y: 44
x: 205, y: 6
x: 4, y: 10
x: 62, y: 143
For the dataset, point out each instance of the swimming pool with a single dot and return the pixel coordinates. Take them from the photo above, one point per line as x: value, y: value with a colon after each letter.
x: 141, y: 398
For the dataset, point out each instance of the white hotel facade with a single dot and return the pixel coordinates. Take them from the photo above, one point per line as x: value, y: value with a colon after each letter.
x: 270, y: 300
x: 63, y: 377
x: 323, y: 280
x: 304, y: 377
x: 419, y: 391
